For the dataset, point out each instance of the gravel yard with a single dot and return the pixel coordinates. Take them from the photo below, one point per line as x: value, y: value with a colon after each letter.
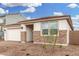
x: 30, y: 49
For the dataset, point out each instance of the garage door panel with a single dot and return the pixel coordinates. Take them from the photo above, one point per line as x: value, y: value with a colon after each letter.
x: 13, y: 35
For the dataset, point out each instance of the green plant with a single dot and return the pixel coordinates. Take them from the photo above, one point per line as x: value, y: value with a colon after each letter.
x: 60, y: 46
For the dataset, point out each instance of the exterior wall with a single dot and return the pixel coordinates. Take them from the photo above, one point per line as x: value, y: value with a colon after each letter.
x: 63, y: 37
x: 74, y: 37
x: 23, y: 33
x: 2, y: 19
x: 62, y: 34
x: 23, y: 37
x: 63, y: 25
x: 23, y: 28
x: 37, y: 26
x: 14, y: 18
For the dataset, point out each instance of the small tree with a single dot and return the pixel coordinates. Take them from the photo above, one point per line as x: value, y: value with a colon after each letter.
x: 50, y: 39
x: 50, y: 31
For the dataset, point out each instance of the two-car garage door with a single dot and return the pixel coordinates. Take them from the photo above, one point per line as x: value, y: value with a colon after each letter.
x: 13, y: 35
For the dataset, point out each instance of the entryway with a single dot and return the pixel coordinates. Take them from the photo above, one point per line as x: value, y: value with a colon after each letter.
x: 29, y: 34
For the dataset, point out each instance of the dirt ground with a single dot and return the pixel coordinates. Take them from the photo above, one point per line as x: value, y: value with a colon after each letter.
x: 30, y: 49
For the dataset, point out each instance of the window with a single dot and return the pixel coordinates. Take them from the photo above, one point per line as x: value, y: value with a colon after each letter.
x: 53, y: 27
x: 49, y: 28
x: 44, y: 28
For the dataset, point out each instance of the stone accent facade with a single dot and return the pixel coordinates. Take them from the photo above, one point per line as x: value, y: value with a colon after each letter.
x: 23, y: 37
x: 61, y: 38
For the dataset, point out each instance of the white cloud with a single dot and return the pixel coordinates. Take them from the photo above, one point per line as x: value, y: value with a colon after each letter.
x: 75, y: 21
x: 34, y: 4
x: 2, y: 11
x: 31, y: 6
x: 28, y: 18
x: 22, y: 4
x: 30, y: 9
x: 12, y: 4
x: 58, y: 13
x: 75, y: 17
x: 72, y: 5
x: 75, y: 24
x: 7, y: 11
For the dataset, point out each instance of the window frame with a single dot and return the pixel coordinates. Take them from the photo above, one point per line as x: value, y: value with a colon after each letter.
x: 49, y: 29
x: 41, y: 29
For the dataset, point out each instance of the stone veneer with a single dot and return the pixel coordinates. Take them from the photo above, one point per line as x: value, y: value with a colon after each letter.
x: 61, y: 39
x: 23, y: 37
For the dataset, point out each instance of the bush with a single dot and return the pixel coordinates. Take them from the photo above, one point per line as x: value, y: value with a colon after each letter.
x: 60, y: 46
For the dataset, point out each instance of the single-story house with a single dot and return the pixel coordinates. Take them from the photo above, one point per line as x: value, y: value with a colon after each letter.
x: 40, y: 30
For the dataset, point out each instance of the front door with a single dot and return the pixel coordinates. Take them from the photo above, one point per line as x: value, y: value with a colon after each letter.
x: 29, y: 33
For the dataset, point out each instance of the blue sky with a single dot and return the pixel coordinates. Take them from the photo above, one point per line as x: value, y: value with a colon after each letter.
x: 45, y: 9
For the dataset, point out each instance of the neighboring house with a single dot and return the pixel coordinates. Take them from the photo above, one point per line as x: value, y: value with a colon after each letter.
x: 9, y: 19
x: 36, y: 30
x: 2, y: 24
x: 14, y: 18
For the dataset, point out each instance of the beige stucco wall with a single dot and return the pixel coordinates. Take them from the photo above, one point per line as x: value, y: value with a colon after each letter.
x: 2, y: 19
x: 24, y: 27
x: 37, y: 26
x: 62, y: 25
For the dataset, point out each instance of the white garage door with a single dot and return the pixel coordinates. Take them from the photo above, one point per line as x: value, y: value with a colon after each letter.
x: 13, y: 35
